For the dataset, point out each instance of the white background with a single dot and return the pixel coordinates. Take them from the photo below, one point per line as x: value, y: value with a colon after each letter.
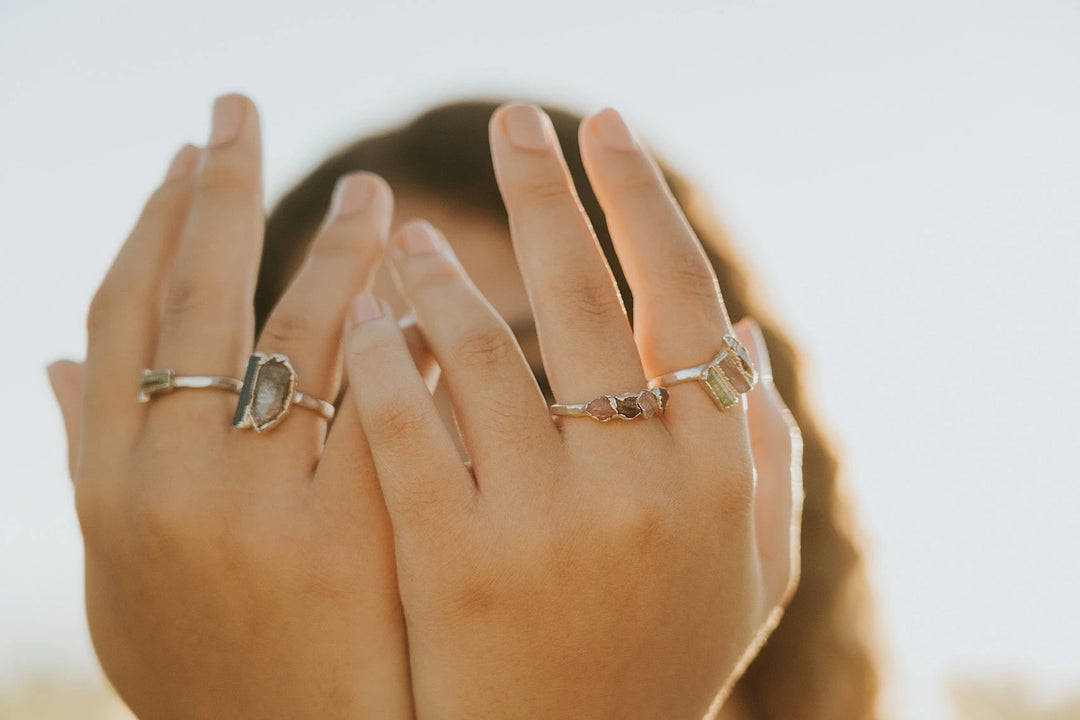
x: 905, y: 178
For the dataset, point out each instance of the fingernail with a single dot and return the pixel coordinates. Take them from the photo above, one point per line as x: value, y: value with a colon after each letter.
x: 228, y: 117
x: 364, y: 307
x: 527, y: 127
x: 352, y: 194
x: 612, y: 131
x: 418, y: 237
x: 183, y: 163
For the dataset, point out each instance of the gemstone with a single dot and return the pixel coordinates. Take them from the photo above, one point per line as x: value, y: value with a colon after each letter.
x: 601, y: 408
x: 154, y: 381
x: 735, y: 370
x: 648, y: 403
x: 720, y: 388
x: 272, y: 393
x: 627, y: 406
x: 661, y: 397
x: 742, y: 359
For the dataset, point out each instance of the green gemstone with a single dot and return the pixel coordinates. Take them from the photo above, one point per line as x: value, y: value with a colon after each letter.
x: 720, y: 388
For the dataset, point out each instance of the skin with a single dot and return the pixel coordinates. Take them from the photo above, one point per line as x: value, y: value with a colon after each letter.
x: 559, y: 574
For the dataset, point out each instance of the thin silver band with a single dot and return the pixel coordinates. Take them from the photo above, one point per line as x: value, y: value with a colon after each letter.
x: 155, y: 382
x: 680, y: 376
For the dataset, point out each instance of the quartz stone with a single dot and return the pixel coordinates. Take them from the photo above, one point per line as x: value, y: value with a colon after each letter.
x: 628, y: 407
x: 648, y: 403
x: 736, y: 371
x: 601, y: 408
x: 662, y: 398
x: 272, y: 393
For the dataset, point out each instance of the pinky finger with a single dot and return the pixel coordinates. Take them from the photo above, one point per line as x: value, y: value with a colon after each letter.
x: 776, y: 444
x: 424, y: 482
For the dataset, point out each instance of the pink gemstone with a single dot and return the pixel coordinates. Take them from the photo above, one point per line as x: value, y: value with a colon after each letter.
x: 601, y: 408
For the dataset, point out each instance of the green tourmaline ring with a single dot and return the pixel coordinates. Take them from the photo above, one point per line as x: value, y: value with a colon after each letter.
x: 726, y: 377
x: 267, y: 392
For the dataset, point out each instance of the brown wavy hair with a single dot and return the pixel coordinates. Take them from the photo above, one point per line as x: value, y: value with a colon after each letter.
x: 820, y: 663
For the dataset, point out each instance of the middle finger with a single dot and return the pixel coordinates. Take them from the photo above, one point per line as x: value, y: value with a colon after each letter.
x: 585, y: 338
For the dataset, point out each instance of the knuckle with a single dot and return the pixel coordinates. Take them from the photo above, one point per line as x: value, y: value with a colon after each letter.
x: 644, y: 523
x: 101, y: 307
x: 89, y: 508
x: 594, y: 301
x: 484, y: 344
x: 694, y: 277
x: 185, y: 296
x: 545, y: 191
x: 228, y: 180
x: 640, y: 182
x: 158, y: 520
x: 437, y: 273
x: 394, y: 422
x: 288, y: 327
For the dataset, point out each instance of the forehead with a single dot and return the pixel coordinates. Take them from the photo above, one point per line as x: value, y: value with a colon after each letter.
x: 482, y: 244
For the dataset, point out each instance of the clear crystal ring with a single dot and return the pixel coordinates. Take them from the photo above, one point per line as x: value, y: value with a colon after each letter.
x: 644, y: 404
x: 726, y: 377
x: 267, y: 392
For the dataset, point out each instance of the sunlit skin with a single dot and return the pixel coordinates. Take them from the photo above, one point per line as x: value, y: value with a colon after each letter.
x: 578, y: 570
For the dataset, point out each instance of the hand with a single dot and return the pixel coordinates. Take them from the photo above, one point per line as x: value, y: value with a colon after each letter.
x: 580, y: 570
x: 230, y: 574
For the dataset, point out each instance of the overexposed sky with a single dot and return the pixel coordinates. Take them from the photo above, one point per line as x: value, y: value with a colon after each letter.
x: 905, y: 178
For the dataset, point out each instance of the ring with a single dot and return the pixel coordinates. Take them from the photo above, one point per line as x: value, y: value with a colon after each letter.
x: 726, y: 376
x: 645, y: 404
x: 267, y: 392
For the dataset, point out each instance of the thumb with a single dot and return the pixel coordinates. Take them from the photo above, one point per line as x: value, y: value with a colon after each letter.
x: 66, y: 378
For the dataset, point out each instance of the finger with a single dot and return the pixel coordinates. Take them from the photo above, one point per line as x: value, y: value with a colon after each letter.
x: 679, y: 318
x: 123, y: 319
x: 422, y: 477
x: 207, y: 321
x: 585, y: 338
x: 307, y: 324
x: 66, y: 380
x: 497, y: 403
x: 346, y: 460
x: 777, y: 449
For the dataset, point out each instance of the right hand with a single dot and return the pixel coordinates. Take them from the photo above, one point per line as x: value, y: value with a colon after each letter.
x: 231, y: 574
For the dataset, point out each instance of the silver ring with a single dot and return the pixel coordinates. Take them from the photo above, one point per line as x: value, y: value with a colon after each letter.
x: 726, y: 377
x: 267, y: 392
x: 644, y: 404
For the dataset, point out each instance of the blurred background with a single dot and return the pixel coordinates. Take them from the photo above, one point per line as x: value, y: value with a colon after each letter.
x: 904, y: 177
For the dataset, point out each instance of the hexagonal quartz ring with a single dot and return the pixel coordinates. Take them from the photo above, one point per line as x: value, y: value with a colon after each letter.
x: 267, y: 392
x: 726, y: 377
x: 645, y: 404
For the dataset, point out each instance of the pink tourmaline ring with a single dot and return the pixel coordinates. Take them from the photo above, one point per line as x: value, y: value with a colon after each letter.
x: 726, y: 377
x: 644, y: 404
x: 267, y: 392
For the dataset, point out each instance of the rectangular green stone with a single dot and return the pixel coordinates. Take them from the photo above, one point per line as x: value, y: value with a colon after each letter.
x: 720, y: 388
